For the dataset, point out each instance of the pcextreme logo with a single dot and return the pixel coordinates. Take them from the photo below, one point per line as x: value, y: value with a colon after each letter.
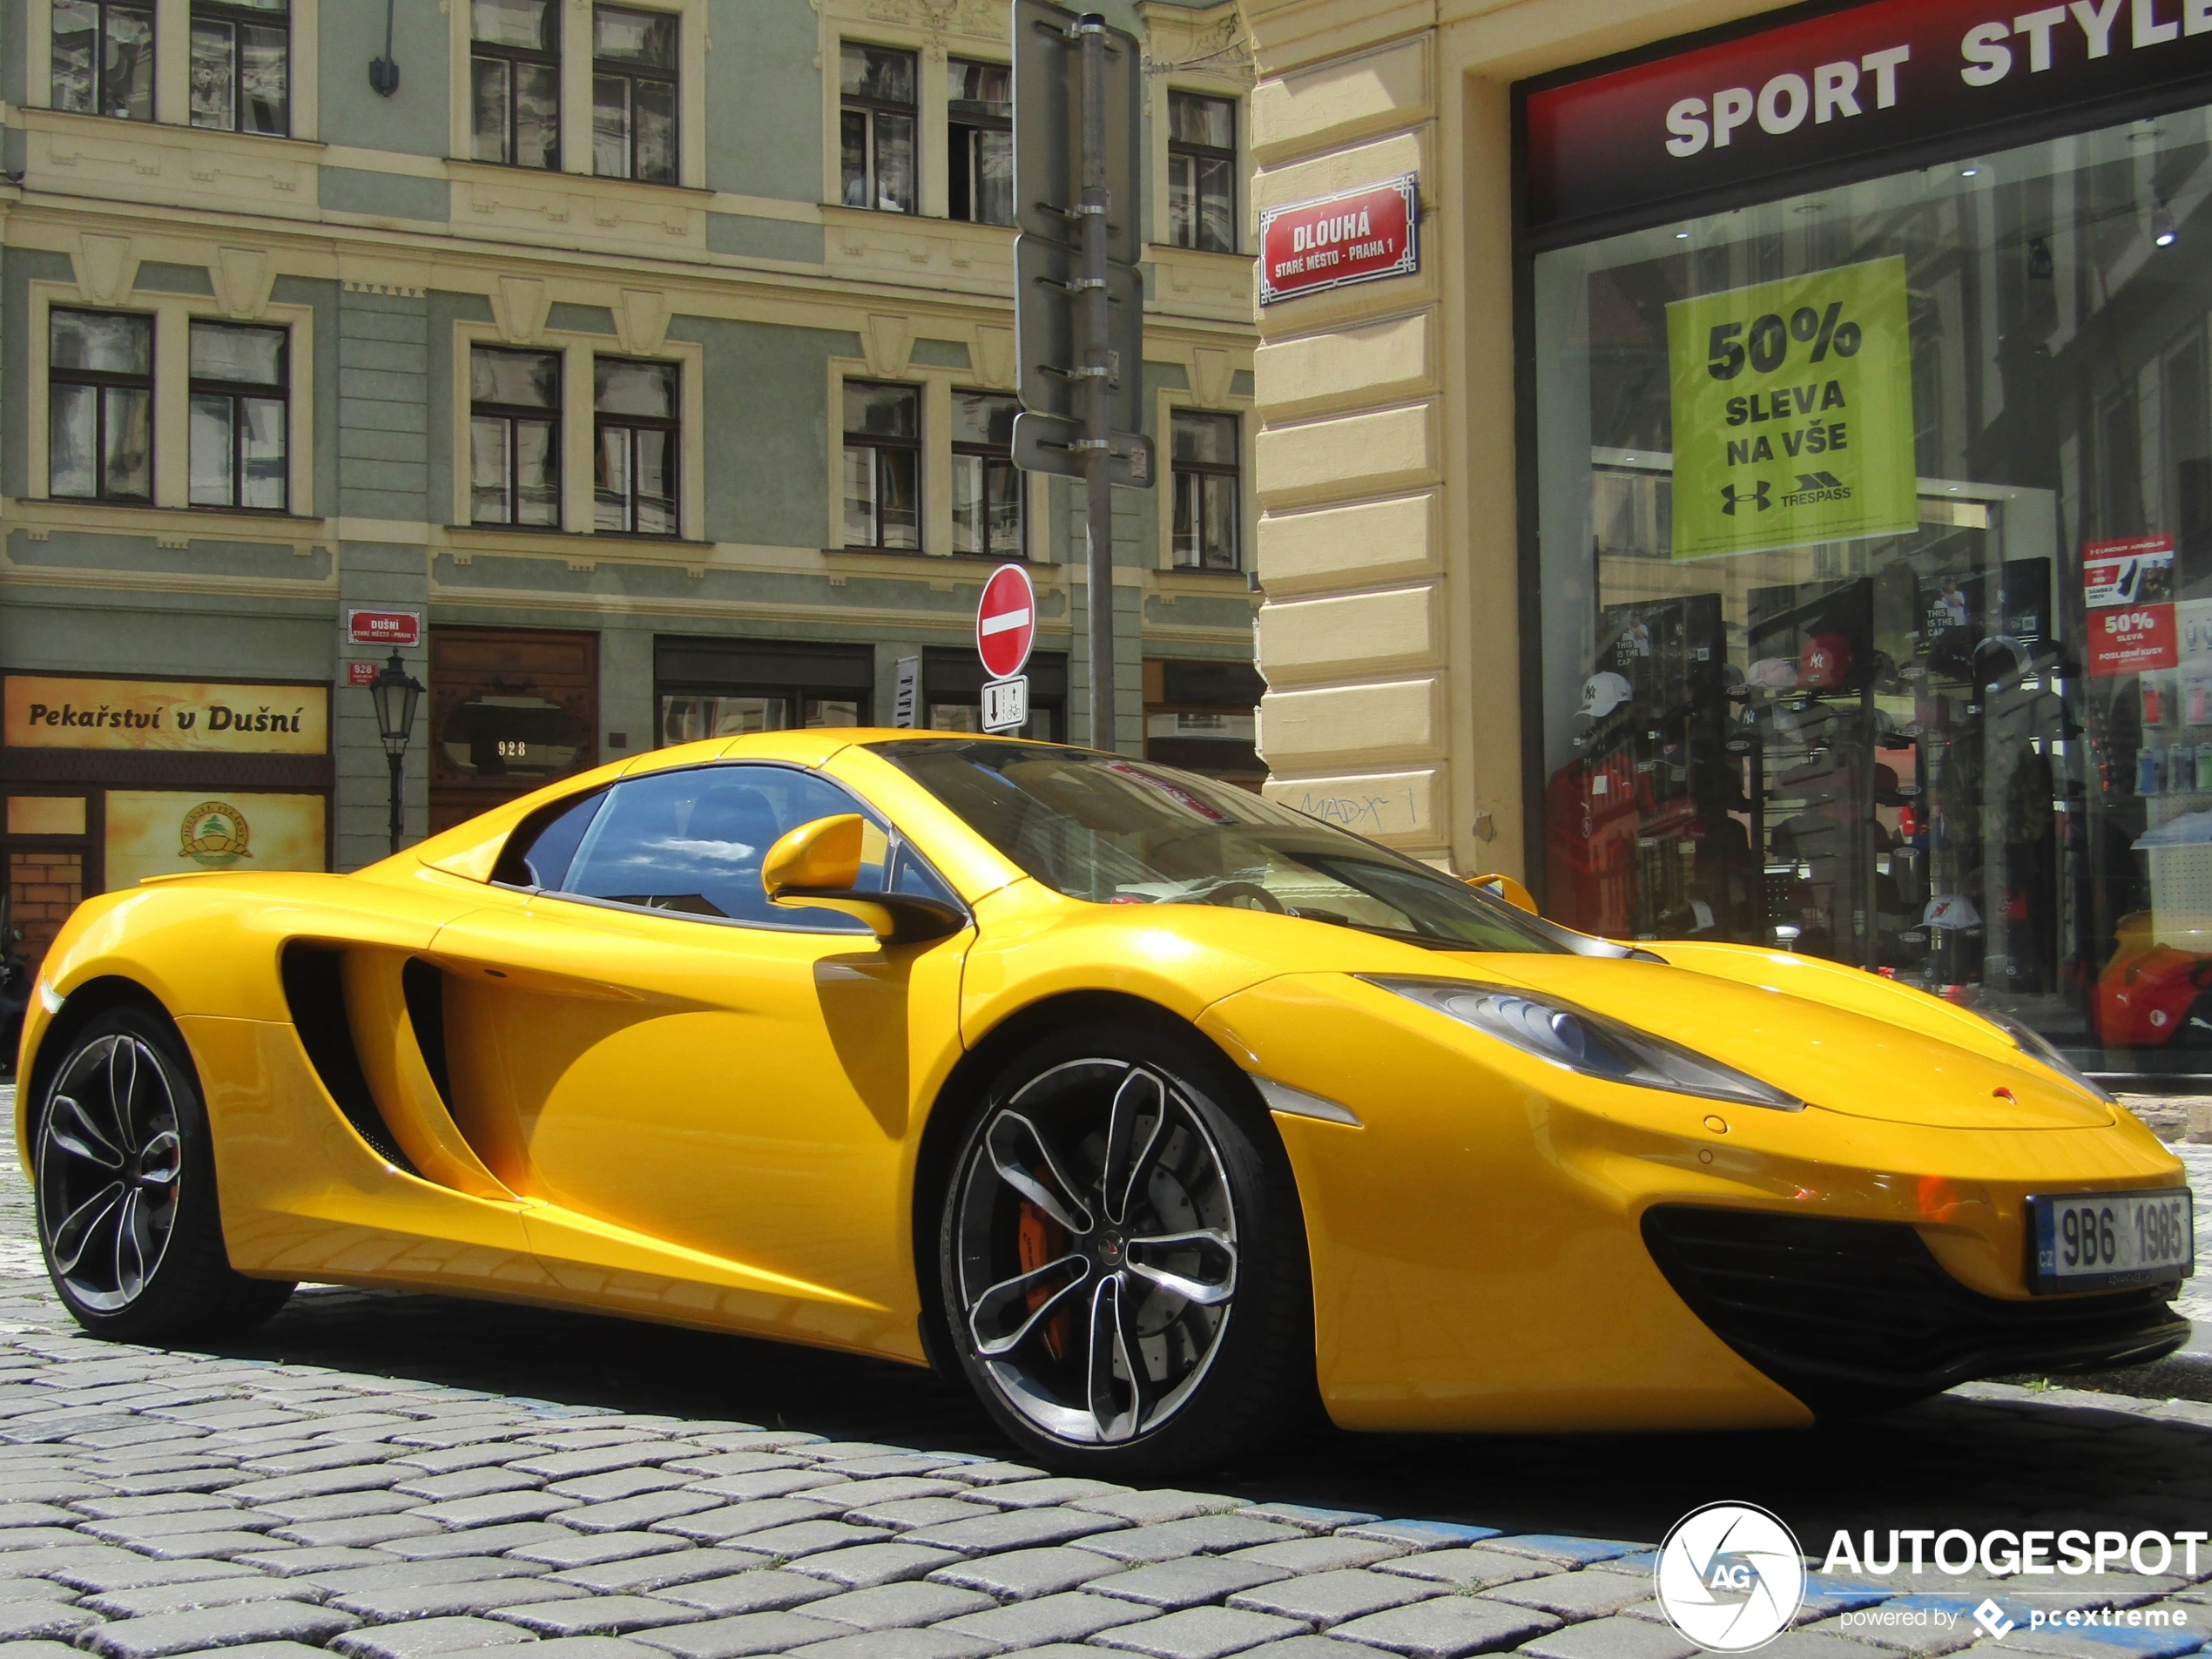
x: 1730, y: 1577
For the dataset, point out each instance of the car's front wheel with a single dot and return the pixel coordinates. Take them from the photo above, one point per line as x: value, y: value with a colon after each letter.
x: 1122, y: 1256
x: 126, y: 1202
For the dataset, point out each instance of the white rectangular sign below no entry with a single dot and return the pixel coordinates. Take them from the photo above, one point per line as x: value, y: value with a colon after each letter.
x: 1006, y: 704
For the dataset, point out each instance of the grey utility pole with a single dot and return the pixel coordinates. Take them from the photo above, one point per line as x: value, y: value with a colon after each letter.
x: 1079, y: 301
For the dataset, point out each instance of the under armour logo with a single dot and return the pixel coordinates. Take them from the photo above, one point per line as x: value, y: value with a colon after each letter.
x: 1731, y: 497
x: 1818, y: 481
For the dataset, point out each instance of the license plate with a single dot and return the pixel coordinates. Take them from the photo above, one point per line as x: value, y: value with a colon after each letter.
x: 2094, y: 1241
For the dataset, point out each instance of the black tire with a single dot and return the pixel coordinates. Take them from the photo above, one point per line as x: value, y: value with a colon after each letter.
x: 128, y: 1215
x: 1044, y: 1275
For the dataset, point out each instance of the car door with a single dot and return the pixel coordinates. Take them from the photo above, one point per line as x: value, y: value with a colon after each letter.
x: 704, y: 1099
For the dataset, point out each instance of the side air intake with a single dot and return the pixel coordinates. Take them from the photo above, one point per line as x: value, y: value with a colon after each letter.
x: 312, y: 988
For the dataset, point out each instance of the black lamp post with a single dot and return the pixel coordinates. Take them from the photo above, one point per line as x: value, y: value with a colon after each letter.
x: 395, y: 692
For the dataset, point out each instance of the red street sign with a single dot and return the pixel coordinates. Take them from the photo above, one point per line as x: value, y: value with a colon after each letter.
x: 1006, y: 622
x: 359, y: 673
x: 399, y: 628
x: 1357, y: 237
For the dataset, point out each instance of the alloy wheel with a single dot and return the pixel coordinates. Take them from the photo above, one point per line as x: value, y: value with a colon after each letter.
x: 1095, y: 1249
x: 110, y: 1161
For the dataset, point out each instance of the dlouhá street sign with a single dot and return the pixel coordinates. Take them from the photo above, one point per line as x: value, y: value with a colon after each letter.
x: 1312, y: 246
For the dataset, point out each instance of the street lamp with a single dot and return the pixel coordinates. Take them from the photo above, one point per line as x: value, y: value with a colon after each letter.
x: 395, y: 692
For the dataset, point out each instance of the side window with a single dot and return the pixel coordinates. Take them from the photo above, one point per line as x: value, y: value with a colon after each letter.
x: 693, y: 841
x: 543, y: 846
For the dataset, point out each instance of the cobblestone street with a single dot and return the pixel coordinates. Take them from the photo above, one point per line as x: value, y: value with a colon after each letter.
x: 390, y: 1477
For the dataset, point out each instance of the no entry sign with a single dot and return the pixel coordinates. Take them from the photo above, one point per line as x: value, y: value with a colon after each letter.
x: 1006, y: 622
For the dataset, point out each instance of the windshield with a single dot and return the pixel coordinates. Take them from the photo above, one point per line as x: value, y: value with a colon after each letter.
x: 1126, y: 832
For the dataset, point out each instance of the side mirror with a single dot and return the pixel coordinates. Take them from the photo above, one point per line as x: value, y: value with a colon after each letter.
x: 818, y: 866
x: 1504, y: 886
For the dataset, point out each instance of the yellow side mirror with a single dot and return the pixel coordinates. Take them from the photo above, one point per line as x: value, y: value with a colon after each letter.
x: 1504, y: 886
x: 818, y: 866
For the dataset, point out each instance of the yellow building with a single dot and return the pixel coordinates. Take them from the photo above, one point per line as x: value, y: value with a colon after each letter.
x: 1778, y: 505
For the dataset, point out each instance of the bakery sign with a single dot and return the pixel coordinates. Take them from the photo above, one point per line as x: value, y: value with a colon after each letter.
x: 67, y: 713
x: 1359, y: 236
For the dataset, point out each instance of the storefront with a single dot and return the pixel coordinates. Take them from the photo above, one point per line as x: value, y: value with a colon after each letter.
x: 511, y: 709
x: 111, y: 780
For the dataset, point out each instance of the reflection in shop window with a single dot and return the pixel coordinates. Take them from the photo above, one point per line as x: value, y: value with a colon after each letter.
x: 876, y: 127
x: 514, y: 436
x: 514, y: 82
x: 1959, y: 731
x: 633, y: 94
x: 883, y: 465
x: 512, y: 736
x: 100, y: 430
x: 102, y: 58
x: 634, y: 492
x: 979, y: 100
x: 1201, y: 171
x: 241, y: 417
x: 241, y: 65
x: 692, y: 719
x: 987, y: 487
x: 1205, y: 470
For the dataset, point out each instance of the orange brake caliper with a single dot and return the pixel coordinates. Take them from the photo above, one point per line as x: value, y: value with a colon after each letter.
x: 1040, y: 1239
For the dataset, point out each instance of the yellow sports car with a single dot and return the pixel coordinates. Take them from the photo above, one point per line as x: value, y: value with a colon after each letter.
x: 1152, y: 1108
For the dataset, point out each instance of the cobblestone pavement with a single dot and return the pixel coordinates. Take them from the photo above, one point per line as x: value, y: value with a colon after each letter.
x: 393, y: 1477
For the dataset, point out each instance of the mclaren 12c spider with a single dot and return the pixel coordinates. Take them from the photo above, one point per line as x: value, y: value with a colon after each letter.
x: 1156, y: 1110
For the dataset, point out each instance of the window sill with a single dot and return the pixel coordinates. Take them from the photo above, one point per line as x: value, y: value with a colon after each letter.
x: 907, y: 556
x: 1173, y: 251
x: 464, y: 168
x: 1206, y: 578
x: 570, y: 541
x: 170, y: 527
x: 72, y: 120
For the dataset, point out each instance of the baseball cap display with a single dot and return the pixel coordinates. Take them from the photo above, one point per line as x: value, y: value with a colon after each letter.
x: 1603, y: 692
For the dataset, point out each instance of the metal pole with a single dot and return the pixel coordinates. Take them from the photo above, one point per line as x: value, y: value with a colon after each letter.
x: 396, y: 762
x: 1098, y: 518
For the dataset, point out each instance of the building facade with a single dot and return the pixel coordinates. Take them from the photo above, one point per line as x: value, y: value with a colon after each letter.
x: 640, y: 372
x: 1778, y: 508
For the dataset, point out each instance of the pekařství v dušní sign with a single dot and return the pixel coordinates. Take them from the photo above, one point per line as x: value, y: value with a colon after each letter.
x: 59, y: 712
x: 1358, y: 236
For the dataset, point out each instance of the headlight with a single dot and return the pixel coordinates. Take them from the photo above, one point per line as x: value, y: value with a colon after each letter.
x: 2036, y: 1045
x: 1590, y: 1044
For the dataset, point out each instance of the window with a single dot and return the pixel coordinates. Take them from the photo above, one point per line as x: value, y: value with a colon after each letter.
x: 241, y: 417
x: 987, y: 487
x: 514, y: 82
x: 1202, y: 172
x: 104, y: 58
x: 99, y: 434
x: 1205, y: 491
x: 883, y: 465
x: 635, y: 483
x: 980, y: 155
x: 633, y: 94
x: 514, y: 436
x: 241, y: 66
x: 727, y: 688
x: 693, y: 840
x: 876, y: 128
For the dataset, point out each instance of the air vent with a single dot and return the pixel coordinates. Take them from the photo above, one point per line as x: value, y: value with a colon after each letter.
x: 318, y: 1003
x: 425, y: 989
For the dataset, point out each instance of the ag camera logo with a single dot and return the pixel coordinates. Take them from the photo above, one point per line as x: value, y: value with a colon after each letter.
x: 1730, y: 1577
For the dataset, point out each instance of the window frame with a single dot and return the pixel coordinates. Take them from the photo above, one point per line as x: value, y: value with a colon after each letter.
x: 977, y: 123
x: 150, y: 10
x: 673, y: 78
x: 1183, y: 150
x: 101, y: 381
x: 509, y: 414
x: 237, y: 16
x: 870, y: 108
x: 280, y: 392
x: 916, y: 446
x: 988, y: 453
x: 544, y: 58
x: 672, y: 425
x: 1234, y: 471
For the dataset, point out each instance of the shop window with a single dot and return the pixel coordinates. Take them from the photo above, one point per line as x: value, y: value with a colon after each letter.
x: 987, y: 486
x: 514, y: 436
x: 99, y: 431
x: 1201, y: 171
x: 1205, y: 465
x: 241, y: 65
x: 1198, y: 715
x: 883, y: 465
x: 979, y: 102
x: 241, y: 417
x: 514, y: 82
x: 511, y: 709
x: 102, y: 58
x: 717, y: 688
x: 636, y: 441
x: 876, y: 127
x: 952, y: 693
x: 633, y: 94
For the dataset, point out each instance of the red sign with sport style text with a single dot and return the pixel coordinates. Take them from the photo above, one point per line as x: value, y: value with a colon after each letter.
x: 1309, y: 247
x: 2127, y: 601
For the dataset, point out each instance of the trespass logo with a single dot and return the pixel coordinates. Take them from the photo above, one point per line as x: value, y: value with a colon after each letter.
x: 1730, y: 1577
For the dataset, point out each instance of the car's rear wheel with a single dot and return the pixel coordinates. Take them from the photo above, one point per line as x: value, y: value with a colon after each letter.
x: 127, y: 1208
x: 1123, y: 1257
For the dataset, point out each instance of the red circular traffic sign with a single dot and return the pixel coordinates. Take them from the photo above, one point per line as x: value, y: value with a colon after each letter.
x: 1006, y: 622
